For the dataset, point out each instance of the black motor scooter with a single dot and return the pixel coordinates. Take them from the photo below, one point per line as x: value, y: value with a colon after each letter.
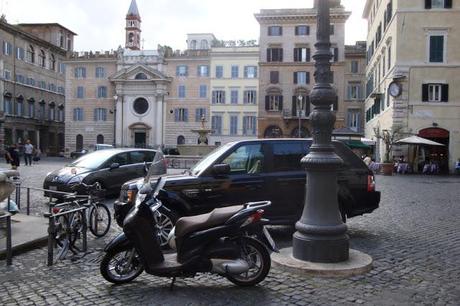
x: 230, y: 241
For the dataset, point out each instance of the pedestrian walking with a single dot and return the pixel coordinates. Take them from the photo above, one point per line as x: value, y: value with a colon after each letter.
x: 37, y: 155
x: 28, y: 152
x: 12, y: 156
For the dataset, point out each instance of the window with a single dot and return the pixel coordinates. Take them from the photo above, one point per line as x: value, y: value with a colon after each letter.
x: 429, y: 4
x: 235, y: 72
x: 274, y: 103
x: 302, y: 54
x: 8, y: 105
x: 274, y: 77
x: 204, y: 44
x: 219, y: 72
x: 275, y: 31
x: 20, y: 79
x: 435, y: 92
x: 354, y: 66
x: 354, y: 91
x: 7, y: 48
x: 218, y: 97
x: 42, y: 84
x: 216, y: 124
x: 287, y: 155
x: 249, y: 125
x: 389, y: 57
x: 30, y: 81
x: 247, y: 159
x: 61, y: 40
x: 78, y: 114
x: 100, y: 114
x: 52, y: 112
x: 182, y: 70
x: 31, y: 109
x: 52, y: 87
x: 141, y: 106
x: 42, y: 111
x: 250, y: 97
x: 250, y: 72
x: 181, y: 115
x: 335, y: 54
x: 193, y: 44
x: 301, y: 77
x: 80, y: 92
x: 180, y: 140
x: 233, y: 125
x: 436, y: 49
x: 200, y: 113
x: 274, y: 54
x: 80, y: 72
x: 181, y: 90
x: 234, y: 96
x: 61, y: 68
x: 102, y: 92
x: 20, y: 107
x: 203, y: 91
x: 302, y: 30
x: 7, y: 74
x: 61, y: 90
x: 20, y: 54
x: 354, y: 120
x: 42, y: 58
x: 139, y: 76
x: 52, y: 62
x: 30, y: 54
x: 203, y: 71
x: 331, y: 29
x: 61, y: 114
x: 100, y: 72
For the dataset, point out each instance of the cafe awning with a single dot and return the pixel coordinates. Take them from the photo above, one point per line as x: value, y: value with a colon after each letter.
x: 355, y: 144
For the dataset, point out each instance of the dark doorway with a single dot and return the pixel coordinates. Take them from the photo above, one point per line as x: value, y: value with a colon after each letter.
x: 437, y: 154
x: 79, y: 143
x: 140, y: 139
x: 100, y: 139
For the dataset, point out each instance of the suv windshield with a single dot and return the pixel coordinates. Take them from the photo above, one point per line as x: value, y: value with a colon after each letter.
x: 92, y: 160
x: 209, y: 159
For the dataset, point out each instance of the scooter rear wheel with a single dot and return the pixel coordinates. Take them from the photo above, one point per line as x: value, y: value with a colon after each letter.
x: 258, y: 258
x: 118, y: 269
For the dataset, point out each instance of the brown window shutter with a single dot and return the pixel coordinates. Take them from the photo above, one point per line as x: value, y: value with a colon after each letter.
x: 447, y: 3
x: 295, y: 77
x: 424, y: 92
x: 281, y: 104
x: 294, y: 106
x: 428, y: 4
x: 445, y: 93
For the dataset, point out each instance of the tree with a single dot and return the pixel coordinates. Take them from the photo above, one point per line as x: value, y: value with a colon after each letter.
x: 389, y: 137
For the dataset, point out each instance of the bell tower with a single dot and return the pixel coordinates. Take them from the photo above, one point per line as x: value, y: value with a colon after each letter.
x: 133, y: 27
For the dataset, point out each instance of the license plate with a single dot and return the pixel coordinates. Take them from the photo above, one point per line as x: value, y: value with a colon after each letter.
x: 53, y: 188
x: 269, y: 239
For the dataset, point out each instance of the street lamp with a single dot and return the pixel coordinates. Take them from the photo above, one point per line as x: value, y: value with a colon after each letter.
x: 321, y: 235
x: 300, y: 110
x: 115, y: 99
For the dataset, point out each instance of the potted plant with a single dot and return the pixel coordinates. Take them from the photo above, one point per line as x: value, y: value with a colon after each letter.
x: 389, y: 138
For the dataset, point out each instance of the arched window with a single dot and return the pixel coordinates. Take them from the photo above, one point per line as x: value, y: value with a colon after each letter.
x: 273, y: 131
x: 180, y: 140
x: 79, y: 142
x: 52, y: 111
x: 193, y: 44
x: 8, y: 104
x: 41, y: 58
x: 100, y: 139
x: 140, y: 76
x: 31, y: 54
x: 20, y: 106
x: 204, y: 44
x: 52, y: 62
x: 130, y: 37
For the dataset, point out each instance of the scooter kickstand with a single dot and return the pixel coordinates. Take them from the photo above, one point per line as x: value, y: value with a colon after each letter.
x: 171, y: 287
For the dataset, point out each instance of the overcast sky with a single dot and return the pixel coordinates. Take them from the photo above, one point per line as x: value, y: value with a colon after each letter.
x: 100, y: 23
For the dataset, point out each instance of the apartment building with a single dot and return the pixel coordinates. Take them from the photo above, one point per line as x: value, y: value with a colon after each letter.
x: 412, y: 76
x: 234, y: 94
x: 32, y: 84
x: 287, y: 38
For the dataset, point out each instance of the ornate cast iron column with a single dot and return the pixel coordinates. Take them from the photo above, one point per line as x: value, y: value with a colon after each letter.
x: 321, y: 235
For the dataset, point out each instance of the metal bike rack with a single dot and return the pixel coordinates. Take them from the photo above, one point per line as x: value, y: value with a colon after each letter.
x: 9, y: 249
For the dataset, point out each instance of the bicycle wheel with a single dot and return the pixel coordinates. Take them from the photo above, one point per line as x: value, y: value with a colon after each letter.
x: 76, y: 231
x: 61, y: 236
x: 99, y: 220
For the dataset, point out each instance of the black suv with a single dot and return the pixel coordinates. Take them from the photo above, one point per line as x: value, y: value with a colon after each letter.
x: 254, y: 170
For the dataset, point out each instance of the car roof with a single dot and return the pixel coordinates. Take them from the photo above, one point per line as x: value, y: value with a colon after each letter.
x: 270, y: 140
x: 120, y: 150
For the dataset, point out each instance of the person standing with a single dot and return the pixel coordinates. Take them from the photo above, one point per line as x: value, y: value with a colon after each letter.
x: 12, y: 156
x: 28, y: 152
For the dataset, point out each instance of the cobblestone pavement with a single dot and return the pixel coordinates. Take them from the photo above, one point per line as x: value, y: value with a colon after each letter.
x: 413, y: 239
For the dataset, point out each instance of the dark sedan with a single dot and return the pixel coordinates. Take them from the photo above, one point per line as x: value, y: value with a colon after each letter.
x: 111, y: 168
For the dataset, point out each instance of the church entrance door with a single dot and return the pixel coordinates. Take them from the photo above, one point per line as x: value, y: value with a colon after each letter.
x: 140, y: 139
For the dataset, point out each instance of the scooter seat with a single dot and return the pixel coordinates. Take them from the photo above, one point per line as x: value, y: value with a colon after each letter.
x: 218, y: 216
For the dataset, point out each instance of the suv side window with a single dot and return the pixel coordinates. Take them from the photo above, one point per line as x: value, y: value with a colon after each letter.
x: 121, y: 159
x: 247, y: 159
x: 137, y: 157
x: 287, y: 155
x: 149, y: 156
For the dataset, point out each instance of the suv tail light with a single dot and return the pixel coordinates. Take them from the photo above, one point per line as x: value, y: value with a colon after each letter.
x: 370, y: 183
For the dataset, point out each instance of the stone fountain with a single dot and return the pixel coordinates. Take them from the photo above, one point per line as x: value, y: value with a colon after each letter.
x: 200, y: 149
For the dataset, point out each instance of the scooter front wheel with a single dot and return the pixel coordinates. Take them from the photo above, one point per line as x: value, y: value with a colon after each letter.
x: 121, y: 266
x: 258, y: 259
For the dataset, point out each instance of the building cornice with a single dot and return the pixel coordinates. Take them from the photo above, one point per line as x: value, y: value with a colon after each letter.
x: 297, y: 15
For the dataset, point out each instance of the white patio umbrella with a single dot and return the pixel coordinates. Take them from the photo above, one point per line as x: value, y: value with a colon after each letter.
x: 417, y: 141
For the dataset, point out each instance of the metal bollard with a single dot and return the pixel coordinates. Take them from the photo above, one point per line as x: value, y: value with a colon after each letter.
x: 28, y: 201
x: 18, y: 194
x: 50, y: 238
x: 9, y: 250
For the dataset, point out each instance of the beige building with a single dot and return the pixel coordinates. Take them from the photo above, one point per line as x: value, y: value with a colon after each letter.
x: 413, y: 70
x: 32, y: 84
x: 354, y: 80
x: 287, y: 38
x: 234, y: 93
x: 89, y: 99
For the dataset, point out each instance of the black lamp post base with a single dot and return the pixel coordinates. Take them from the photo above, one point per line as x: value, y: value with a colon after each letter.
x: 324, y: 249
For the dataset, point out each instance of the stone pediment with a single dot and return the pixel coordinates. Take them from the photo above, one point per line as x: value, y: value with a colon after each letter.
x: 139, y: 73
